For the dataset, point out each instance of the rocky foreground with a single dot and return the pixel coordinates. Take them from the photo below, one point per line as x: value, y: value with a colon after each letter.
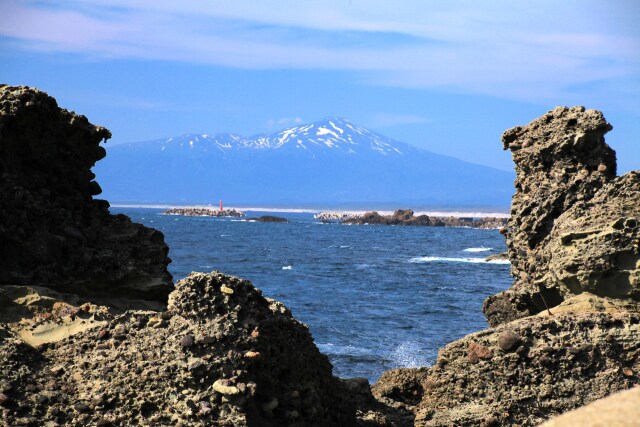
x: 91, y: 332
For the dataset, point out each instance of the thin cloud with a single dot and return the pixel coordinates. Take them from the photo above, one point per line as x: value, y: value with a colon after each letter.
x: 381, y: 120
x: 464, y: 47
x: 283, y: 122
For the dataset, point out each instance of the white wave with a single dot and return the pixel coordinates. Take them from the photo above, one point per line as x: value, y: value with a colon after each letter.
x: 342, y: 350
x: 480, y: 249
x: 408, y: 355
x: 287, y: 267
x: 423, y: 259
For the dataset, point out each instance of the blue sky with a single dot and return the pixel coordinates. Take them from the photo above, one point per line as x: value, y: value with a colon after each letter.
x: 447, y: 76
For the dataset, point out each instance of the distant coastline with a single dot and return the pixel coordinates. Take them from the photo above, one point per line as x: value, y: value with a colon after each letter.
x: 440, y: 213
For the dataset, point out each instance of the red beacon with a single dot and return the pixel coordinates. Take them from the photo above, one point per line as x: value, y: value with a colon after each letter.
x: 220, y: 205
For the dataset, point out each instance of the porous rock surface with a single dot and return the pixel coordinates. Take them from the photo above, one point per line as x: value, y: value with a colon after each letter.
x: 595, y: 246
x: 573, y: 243
x: 221, y: 354
x: 573, y: 224
x: 52, y: 231
x: 558, y: 363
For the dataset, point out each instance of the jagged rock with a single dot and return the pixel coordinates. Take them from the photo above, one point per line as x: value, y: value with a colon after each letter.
x: 145, y: 374
x: 595, y: 246
x: 562, y: 362
x: 574, y: 248
x: 401, y: 385
x: 382, y: 407
x: 566, y: 204
x: 52, y: 231
x: 586, y: 302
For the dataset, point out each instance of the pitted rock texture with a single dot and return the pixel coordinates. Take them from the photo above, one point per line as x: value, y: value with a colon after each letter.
x: 220, y: 355
x: 561, y: 363
x: 595, y: 246
x: 561, y: 237
x: 52, y: 231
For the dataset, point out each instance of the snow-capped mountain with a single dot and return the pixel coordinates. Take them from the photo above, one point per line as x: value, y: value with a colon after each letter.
x: 331, y: 133
x: 329, y: 161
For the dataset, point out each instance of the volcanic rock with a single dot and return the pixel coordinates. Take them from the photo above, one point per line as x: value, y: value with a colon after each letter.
x: 573, y: 224
x: 574, y: 248
x: 595, y: 246
x: 566, y: 361
x: 176, y: 374
x: 52, y: 231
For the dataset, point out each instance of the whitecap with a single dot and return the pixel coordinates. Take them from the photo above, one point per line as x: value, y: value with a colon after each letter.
x: 408, y: 355
x: 420, y: 260
x: 287, y: 267
x: 480, y: 249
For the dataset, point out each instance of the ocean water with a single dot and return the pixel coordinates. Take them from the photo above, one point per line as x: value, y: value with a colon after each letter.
x: 374, y: 297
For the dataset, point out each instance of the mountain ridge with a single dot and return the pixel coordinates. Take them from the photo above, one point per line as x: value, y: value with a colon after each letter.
x: 332, y: 160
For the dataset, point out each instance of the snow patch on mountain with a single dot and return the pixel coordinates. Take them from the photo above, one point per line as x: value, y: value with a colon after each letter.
x: 314, y: 138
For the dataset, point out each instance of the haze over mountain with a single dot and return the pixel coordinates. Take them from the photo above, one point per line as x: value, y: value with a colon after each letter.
x: 332, y: 162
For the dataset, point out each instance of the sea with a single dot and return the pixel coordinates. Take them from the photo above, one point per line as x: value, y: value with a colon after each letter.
x: 375, y: 297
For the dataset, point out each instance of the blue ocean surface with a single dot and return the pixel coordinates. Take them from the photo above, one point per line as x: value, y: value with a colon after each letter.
x: 375, y: 297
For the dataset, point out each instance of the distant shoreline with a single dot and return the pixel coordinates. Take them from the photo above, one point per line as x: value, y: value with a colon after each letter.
x: 455, y: 214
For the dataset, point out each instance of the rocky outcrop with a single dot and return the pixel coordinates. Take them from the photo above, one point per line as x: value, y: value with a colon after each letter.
x: 406, y: 217
x: 335, y: 216
x: 526, y: 371
x: 595, y: 245
x: 573, y: 225
x: 52, y: 231
x: 573, y: 243
x: 268, y: 218
x: 221, y: 354
x: 204, y: 212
